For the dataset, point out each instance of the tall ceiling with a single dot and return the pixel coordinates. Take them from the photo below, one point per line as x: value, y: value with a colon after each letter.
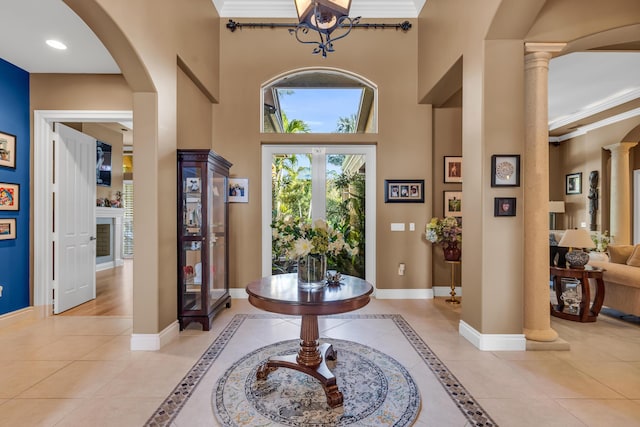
x: 581, y: 85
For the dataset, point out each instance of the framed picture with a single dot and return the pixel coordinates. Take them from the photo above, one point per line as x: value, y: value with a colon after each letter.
x: 452, y: 169
x: 7, y: 150
x: 404, y: 190
x: 504, y: 206
x: 505, y: 170
x: 238, y: 190
x: 192, y: 184
x: 103, y: 164
x: 9, y: 196
x: 452, y: 204
x: 574, y: 183
x: 7, y: 228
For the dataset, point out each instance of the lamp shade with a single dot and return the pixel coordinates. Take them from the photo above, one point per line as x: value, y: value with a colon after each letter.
x: 328, y: 12
x: 556, y: 206
x: 578, y: 238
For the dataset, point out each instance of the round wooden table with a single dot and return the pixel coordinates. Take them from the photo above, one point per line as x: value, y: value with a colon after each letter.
x: 280, y: 294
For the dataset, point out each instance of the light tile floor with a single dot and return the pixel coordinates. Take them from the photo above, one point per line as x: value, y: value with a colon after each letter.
x: 78, y: 371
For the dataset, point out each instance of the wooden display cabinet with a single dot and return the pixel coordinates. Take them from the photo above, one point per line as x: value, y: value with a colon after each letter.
x: 203, y: 250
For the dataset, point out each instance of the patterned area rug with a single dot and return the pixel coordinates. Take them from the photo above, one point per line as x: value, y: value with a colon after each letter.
x: 377, y: 391
x: 169, y: 410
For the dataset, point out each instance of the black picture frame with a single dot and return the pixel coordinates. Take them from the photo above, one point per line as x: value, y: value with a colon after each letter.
x: 404, y: 190
x: 573, y: 183
x: 452, y: 204
x: 103, y: 164
x: 504, y: 206
x: 452, y: 169
x: 505, y: 170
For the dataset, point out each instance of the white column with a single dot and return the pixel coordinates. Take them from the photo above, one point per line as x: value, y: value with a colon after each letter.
x: 537, y: 320
x: 620, y: 203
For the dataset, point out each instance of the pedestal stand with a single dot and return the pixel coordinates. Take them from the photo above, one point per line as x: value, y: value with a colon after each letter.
x: 453, y: 299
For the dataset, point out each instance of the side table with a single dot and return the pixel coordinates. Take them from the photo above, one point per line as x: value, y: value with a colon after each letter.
x: 585, y: 314
x: 453, y: 299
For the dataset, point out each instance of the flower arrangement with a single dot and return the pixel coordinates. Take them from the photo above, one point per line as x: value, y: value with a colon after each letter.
x: 294, y: 240
x: 601, y: 240
x: 443, y: 230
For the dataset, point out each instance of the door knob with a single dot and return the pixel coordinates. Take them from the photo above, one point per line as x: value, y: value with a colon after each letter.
x: 92, y: 238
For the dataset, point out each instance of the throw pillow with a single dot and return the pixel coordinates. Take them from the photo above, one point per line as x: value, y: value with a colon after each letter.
x: 619, y: 254
x: 634, y: 258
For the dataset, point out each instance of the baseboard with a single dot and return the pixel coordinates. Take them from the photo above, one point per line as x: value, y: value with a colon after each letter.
x: 445, y: 291
x: 492, y: 342
x: 238, y: 293
x: 403, y: 293
x: 154, y: 342
x: 105, y: 266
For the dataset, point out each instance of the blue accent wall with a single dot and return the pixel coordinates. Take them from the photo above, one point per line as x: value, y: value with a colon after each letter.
x: 14, y: 254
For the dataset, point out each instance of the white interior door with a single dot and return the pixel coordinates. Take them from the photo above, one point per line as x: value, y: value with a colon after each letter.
x: 74, y: 223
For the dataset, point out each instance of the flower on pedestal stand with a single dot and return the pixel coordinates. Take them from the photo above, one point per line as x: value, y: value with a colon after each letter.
x: 446, y: 232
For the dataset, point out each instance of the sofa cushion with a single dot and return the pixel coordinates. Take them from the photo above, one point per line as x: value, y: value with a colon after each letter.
x: 619, y: 254
x: 620, y: 274
x: 634, y: 258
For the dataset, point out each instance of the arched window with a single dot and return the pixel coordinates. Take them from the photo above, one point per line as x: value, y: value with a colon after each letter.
x: 319, y: 100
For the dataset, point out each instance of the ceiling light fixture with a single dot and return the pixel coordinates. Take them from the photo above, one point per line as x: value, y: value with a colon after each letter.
x: 56, y: 44
x: 322, y: 17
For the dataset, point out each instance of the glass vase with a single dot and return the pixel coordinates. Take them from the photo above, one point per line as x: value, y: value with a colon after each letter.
x: 312, y: 270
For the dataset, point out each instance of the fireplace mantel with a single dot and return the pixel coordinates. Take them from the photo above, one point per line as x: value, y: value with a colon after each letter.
x: 109, y: 212
x: 116, y: 214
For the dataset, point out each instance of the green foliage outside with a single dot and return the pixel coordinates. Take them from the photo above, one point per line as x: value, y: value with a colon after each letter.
x: 291, y: 192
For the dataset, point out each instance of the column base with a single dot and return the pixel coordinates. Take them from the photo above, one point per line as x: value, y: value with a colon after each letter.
x: 544, y: 335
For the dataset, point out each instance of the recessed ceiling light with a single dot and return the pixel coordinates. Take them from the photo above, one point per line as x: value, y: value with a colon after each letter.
x: 56, y: 44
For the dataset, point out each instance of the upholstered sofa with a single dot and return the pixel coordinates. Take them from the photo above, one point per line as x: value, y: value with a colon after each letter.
x: 621, y: 278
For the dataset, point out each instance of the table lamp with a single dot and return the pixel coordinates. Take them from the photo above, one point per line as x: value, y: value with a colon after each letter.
x: 555, y: 207
x: 576, y: 240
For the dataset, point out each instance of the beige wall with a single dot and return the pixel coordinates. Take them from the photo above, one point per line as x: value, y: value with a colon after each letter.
x: 148, y: 38
x: 194, y: 115
x: 492, y: 81
x: 584, y: 154
x: 386, y: 58
x: 489, y: 38
x: 86, y: 92
x: 79, y: 92
x: 447, y: 141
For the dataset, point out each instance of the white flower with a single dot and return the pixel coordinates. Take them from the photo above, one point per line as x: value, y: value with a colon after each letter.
x: 320, y: 224
x: 302, y: 247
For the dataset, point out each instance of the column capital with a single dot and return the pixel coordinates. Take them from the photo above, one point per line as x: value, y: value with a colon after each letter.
x: 531, y: 47
x: 620, y: 147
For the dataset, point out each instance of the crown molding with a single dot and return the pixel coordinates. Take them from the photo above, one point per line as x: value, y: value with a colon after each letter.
x: 602, y: 123
x: 286, y: 9
x: 598, y: 108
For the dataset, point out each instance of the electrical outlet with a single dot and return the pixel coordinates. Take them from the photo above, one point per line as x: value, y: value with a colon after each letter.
x: 1, y: 288
x: 401, y: 268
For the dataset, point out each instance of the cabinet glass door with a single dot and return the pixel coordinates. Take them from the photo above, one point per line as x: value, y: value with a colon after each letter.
x: 192, y: 201
x: 218, y: 239
x: 192, y: 276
